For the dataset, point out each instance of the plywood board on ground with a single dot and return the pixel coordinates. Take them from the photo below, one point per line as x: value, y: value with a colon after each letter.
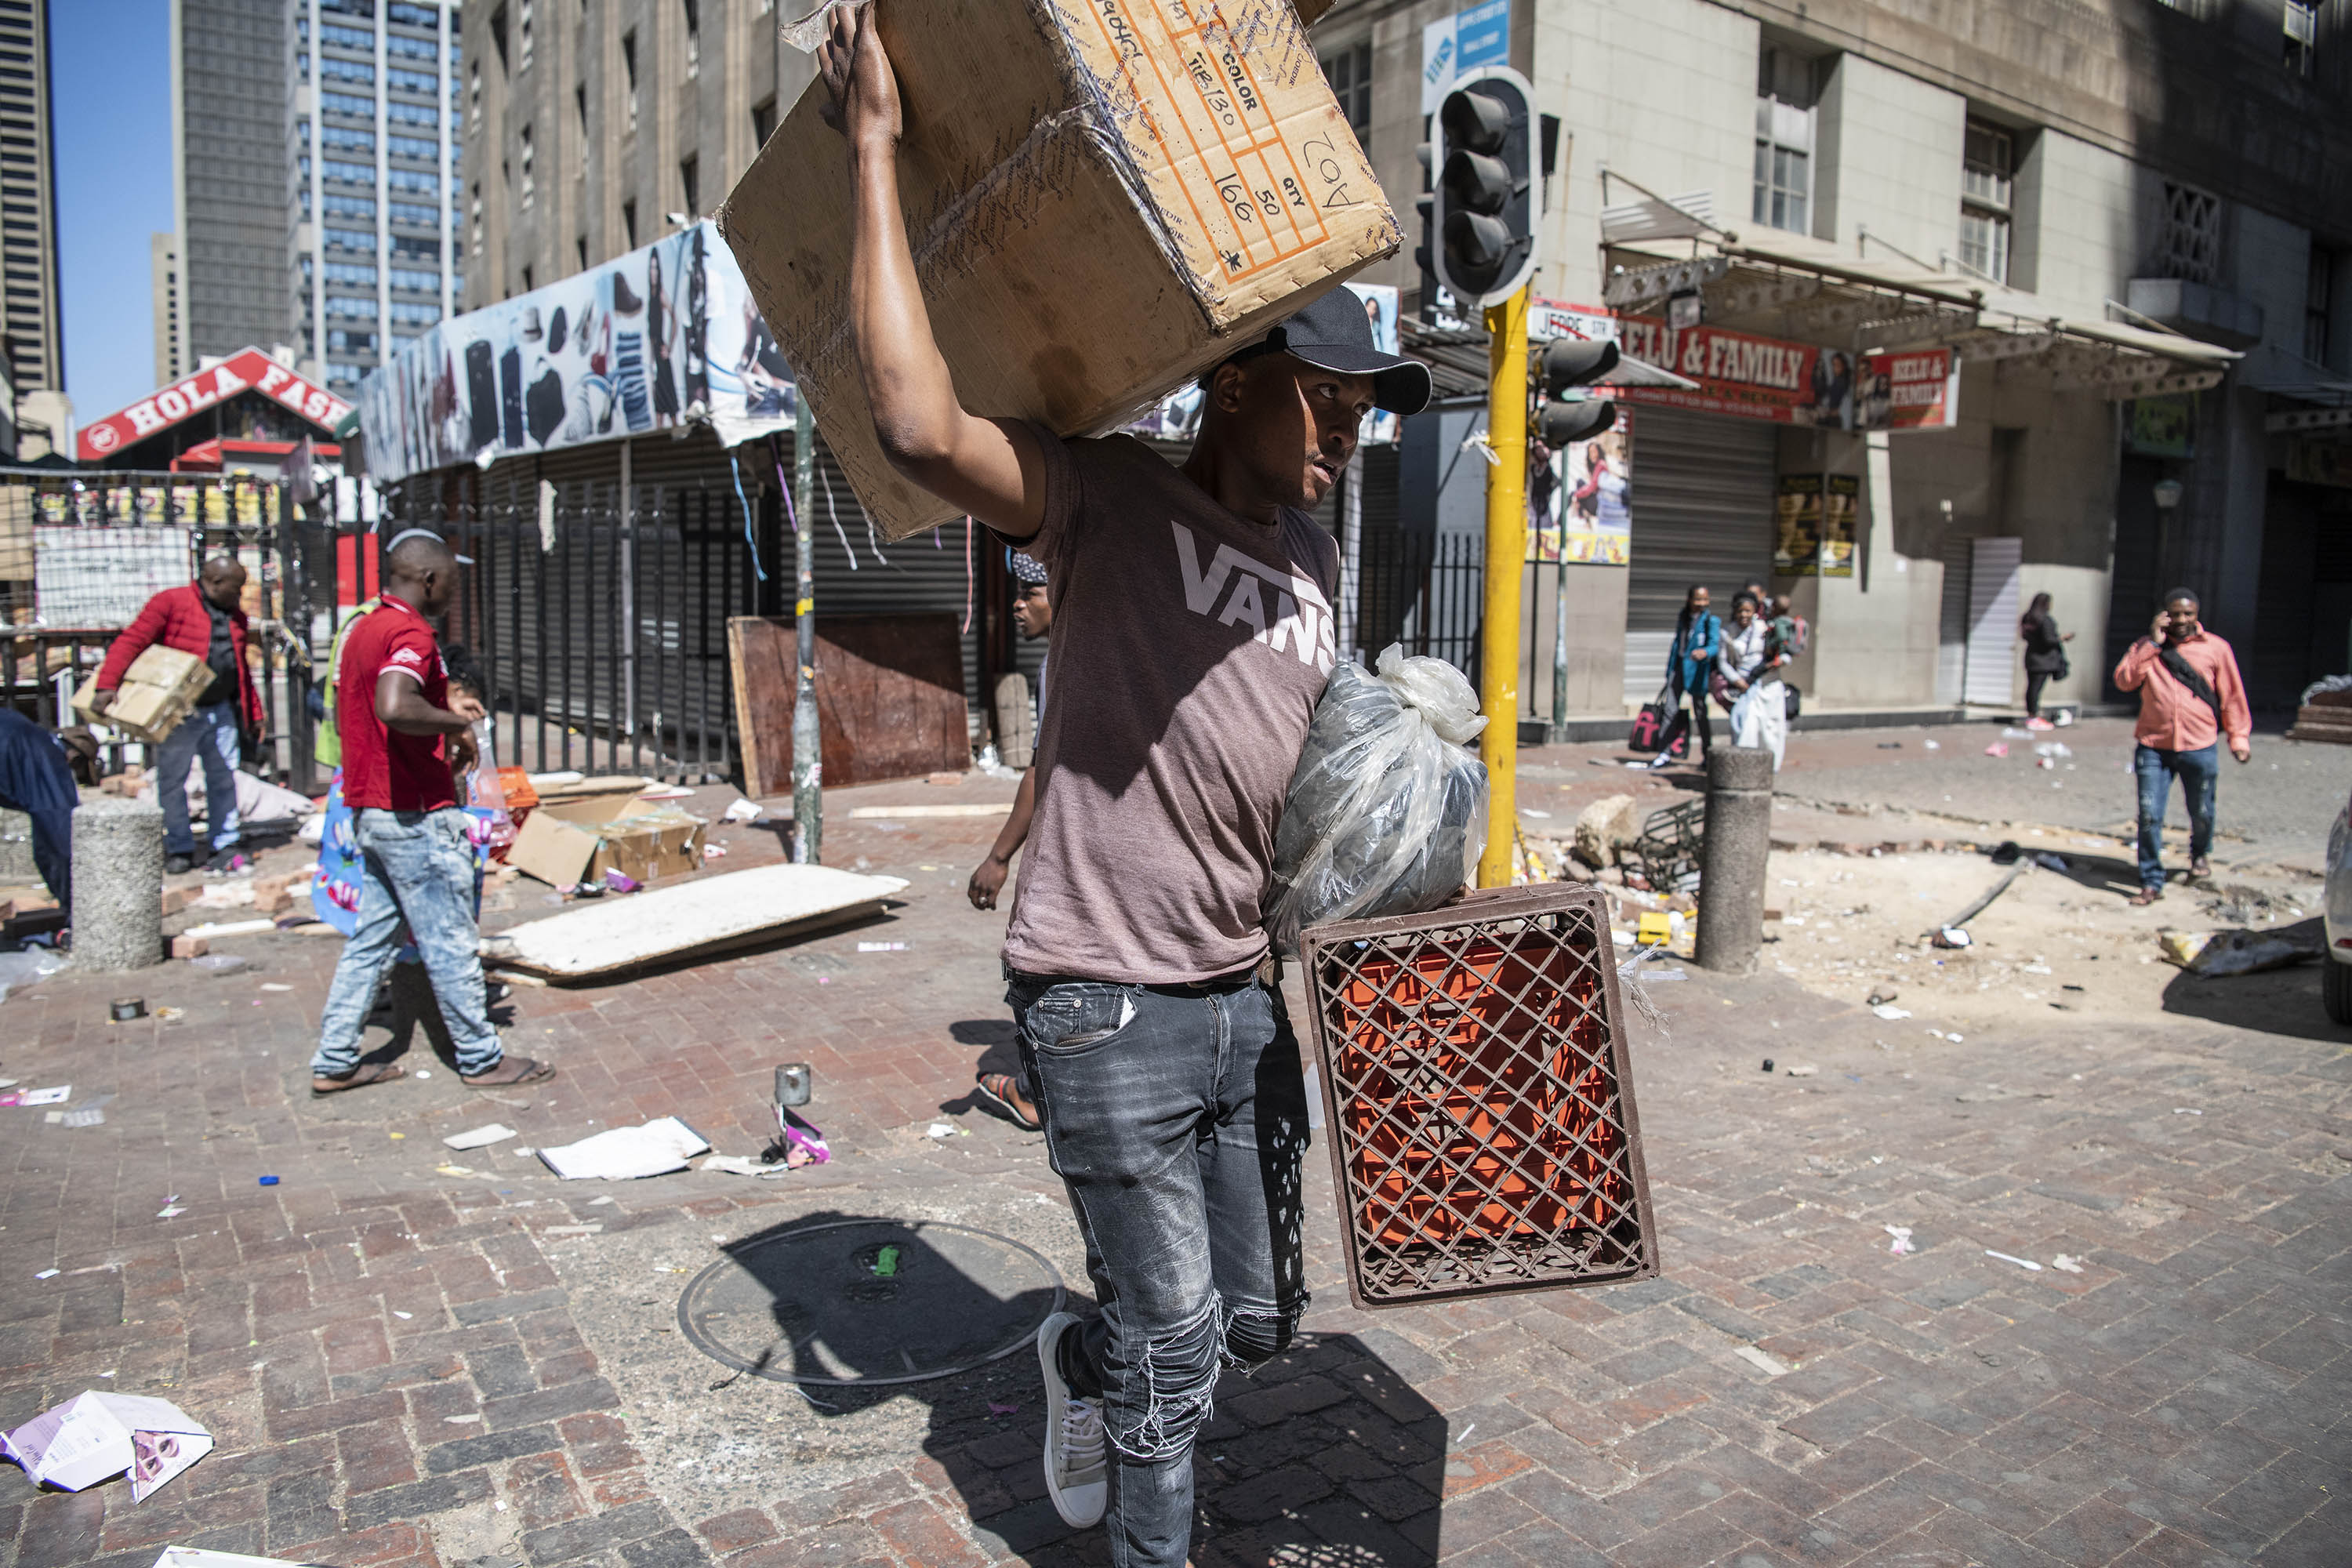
x: 889, y: 694
x: 707, y: 916
x: 1103, y: 197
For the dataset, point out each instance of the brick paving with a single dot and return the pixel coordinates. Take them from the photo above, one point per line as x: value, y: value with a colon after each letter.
x: 405, y: 1366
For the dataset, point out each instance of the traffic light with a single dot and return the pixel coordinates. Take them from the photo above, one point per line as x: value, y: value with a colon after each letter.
x: 1570, y: 365
x: 1484, y: 211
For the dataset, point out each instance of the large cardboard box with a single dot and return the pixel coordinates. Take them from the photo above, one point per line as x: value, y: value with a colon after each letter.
x: 566, y: 842
x: 158, y: 691
x: 1103, y: 198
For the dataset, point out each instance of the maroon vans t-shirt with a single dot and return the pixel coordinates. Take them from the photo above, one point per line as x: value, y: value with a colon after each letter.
x: 1189, y: 649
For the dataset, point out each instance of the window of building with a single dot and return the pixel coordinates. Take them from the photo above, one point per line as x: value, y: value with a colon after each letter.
x: 343, y: 341
x: 522, y: 31
x: 693, y: 9
x: 529, y: 184
x: 303, y: 66
x: 414, y: 114
x: 402, y: 80
x: 499, y: 38
x: 351, y: 274
x: 409, y: 48
x: 2190, y: 244
x: 2302, y: 35
x: 2318, y: 293
x: 629, y: 74
x: 412, y: 313
x: 344, y: 139
x: 414, y: 248
x: 629, y: 223
x: 580, y: 251
x: 414, y: 182
x: 1988, y: 166
x: 580, y: 109
x: 348, y: 206
x: 1349, y: 72
x: 349, y: 173
x: 345, y: 103
x: 763, y: 120
x: 352, y: 307
x: 333, y: 69
x: 1785, y: 97
x: 416, y: 147
x: 689, y: 183
x: 360, y: 242
x: 478, y: 217
x: 361, y: 38
x: 411, y: 213
x: 474, y: 92
x: 302, y: 132
x: 301, y: 29
x: 526, y: 284
x: 415, y: 281
x: 409, y: 16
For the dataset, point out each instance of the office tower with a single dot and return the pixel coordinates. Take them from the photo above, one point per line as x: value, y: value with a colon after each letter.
x: 228, y: 173
x: 28, y: 218
x: 374, y: 138
x: 164, y: 303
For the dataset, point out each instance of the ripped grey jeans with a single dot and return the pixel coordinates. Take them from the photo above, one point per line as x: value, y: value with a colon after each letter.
x: 1177, y: 1115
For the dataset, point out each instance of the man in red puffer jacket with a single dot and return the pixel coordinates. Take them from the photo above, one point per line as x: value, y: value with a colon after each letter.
x: 203, y: 618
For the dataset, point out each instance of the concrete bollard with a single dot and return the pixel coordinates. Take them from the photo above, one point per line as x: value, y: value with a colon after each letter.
x: 1731, y: 859
x: 118, y: 880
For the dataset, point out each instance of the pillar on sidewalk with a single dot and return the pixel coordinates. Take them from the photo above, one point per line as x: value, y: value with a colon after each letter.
x: 117, y: 885
x: 1731, y: 859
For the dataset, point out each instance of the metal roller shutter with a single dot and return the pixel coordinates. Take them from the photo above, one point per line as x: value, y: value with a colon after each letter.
x: 1702, y: 504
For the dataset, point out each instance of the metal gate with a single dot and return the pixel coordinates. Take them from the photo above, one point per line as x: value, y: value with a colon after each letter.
x: 1702, y: 505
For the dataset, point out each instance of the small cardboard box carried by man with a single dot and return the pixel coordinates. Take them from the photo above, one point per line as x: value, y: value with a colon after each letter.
x: 1103, y: 201
x: 158, y: 691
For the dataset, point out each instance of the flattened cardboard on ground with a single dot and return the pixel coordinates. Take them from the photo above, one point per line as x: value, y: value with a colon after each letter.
x: 700, y: 918
x: 158, y: 691
x: 1104, y: 197
x: 94, y: 1436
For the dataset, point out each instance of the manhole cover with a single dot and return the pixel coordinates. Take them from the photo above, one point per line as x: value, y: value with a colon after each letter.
x: 869, y: 1301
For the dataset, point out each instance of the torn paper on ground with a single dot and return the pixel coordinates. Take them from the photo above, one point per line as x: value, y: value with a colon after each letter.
x: 625, y: 1154
x: 94, y: 1436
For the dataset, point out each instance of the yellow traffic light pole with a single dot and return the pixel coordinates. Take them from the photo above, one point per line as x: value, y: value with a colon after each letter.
x: 1507, y: 550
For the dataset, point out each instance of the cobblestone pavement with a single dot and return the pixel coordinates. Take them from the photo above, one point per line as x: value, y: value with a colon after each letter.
x: 415, y: 1357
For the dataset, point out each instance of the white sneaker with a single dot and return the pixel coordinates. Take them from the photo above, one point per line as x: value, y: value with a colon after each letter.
x: 1076, y: 1475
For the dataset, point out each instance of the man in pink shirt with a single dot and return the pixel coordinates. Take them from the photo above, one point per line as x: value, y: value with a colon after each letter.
x: 2189, y: 697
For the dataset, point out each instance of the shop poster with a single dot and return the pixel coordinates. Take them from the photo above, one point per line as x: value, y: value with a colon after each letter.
x: 663, y: 337
x: 1840, y: 523
x: 1797, y: 527
x: 1579, y: 500
x: 1750, y: 377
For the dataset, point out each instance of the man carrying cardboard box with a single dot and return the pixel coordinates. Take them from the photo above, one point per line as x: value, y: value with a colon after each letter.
x: 405, y: 740
x: 205, y: 618
x: 1192, y: 638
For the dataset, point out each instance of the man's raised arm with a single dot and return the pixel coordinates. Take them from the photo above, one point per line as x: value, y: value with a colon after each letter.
x: 992, y: 468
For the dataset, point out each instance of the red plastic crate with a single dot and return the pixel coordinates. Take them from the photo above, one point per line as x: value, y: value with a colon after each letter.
x: 1480, y: 1106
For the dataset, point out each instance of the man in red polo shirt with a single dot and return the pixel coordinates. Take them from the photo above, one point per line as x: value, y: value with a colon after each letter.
x: 205, y: 618
x: 404, y: 742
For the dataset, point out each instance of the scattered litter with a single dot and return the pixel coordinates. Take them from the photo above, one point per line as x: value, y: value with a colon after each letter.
x: 47, y: 1274
x: 422, y: 1072
x: 1531, y: 811
x: 463, y: 1420
x: 626, y: 1154
x: 273, y: 985
x: 886, y: 1263
x: 403, y: 1317
x: 2054, y: 749
x: 94, y: 1436
x: 881, y: 947
x: 218, y: 963
x: 1889, y: 1011
x: 1933, y: 745
x: 2070, y: 1265
x: 714, y: 851
x: 1883, y: 995
x: 170, y: 1211
x: 742, y: 811
x: 85, y: 1116
x: 211, y: 929
x: 2014, y: 733
x: 2223, y: 952
x: 939, y: 1130
x: 595, y: 1230
x: 174, y: 1014
x: 2021, y: 1262
x: 23, y: 968
x: 480, y: 1137
x: 1998, y: 749
x: 55, y: 1096
x: 1807, y: 1072
x: 456, y: 1170
x: 740, y: 1166
x: 620, y: 881
x: 2186, y: 1110
x: 1953, y: 937
x: 1901, y: 1242
x: 996, y: 1409
x: 1768, y: 1064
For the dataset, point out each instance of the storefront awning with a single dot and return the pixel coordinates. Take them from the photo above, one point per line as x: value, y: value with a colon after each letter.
x: 1789, y: 285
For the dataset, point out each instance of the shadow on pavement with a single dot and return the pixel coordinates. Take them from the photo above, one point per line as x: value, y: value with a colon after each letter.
x: 1325, y: 1457
x: 2274, y: 1001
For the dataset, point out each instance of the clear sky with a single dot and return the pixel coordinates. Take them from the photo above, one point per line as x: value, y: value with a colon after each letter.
x: 111, y: 84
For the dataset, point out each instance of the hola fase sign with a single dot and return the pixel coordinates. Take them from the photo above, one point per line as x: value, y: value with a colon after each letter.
x: 246, y: 370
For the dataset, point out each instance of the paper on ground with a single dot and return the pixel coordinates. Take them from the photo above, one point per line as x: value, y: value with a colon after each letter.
x: 625, y: 1153
x: 197, y: 1557
x: 55, y: 1096
x: 480, y: 1137
x: 93, y: 1436
x: 1764, y: 1361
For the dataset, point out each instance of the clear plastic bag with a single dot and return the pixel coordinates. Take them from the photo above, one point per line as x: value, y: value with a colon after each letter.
x: 1386, y: 813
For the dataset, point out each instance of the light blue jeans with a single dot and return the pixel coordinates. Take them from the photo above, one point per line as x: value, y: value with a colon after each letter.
x: 417, y: 867
x: 209, y: 732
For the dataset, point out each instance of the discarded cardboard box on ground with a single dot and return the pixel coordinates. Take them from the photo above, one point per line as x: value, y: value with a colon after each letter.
x: 93, y: 1436
x: 1103, y: 200
x: 158, y: 691
x: 568, y: 841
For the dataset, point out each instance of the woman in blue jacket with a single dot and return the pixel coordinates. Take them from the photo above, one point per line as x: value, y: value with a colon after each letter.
x: 1698, y: 637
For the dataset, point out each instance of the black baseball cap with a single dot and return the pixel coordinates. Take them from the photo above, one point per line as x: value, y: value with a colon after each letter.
x: 1334, y: 333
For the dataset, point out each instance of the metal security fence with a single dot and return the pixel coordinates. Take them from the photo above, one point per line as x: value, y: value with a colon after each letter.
x: 80, y: 553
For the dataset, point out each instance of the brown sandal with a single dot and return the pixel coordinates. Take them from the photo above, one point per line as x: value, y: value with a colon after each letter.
x: 2145, y: 896
x: 526, y: 1071
x: 360, y: 1077
x: 1002, y: 1090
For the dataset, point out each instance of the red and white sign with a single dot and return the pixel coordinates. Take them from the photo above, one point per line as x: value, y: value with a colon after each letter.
x: 246, y: 370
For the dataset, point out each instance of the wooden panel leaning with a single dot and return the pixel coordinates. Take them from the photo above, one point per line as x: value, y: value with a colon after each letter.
x: 1479, y: 1103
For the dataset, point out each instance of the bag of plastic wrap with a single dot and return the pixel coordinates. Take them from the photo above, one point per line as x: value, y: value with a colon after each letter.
x: 1386, y: 813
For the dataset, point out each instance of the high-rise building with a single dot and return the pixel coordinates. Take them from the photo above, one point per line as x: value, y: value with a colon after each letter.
x: 375, y: 143
x: 164, y: 304
x: 35, y: 335
x: 228, y: 173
